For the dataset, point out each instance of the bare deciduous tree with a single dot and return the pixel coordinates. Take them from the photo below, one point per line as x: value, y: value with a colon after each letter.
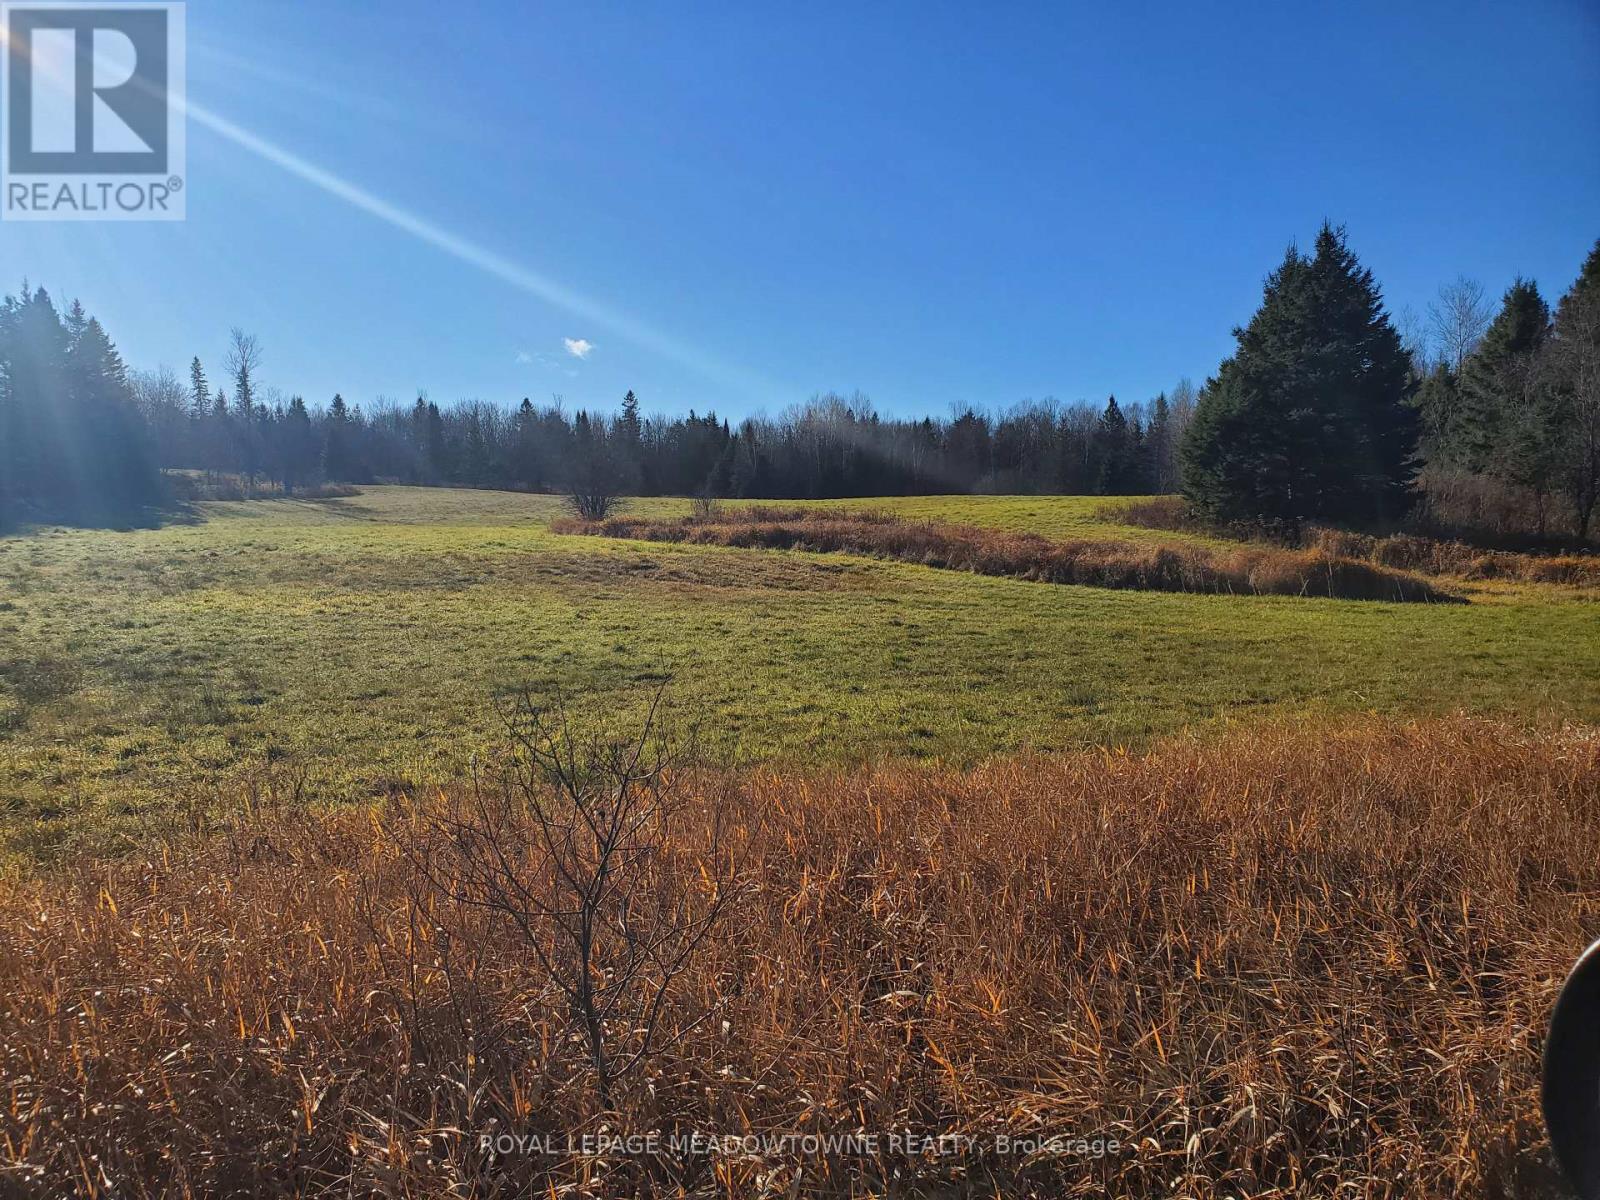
x: 244, y: 362
x: 1458, y: 318
x: 1414, y: 337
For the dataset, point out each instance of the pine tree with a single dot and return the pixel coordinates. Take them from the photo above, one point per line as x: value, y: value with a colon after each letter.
x: 628, y: 424
x: 1114, y: 448
x: 434, y: 445
x: 337, y: 459
x: 417, y: 433
x: 74, y: 444
x: 1159, y: 436
x: 33, y: 364
x: 199, y: 390
x: 1367, y: 379
x: 1495, y: 387
x: 1571, y: 394
x: 525, y: 455
x: 75, y: 322
x: 1310, y: 419
x: 300, y: 458
x: 1249, y: 429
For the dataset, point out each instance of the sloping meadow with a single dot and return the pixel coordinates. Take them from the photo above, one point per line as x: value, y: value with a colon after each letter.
x: 1246, y: 570
x: 1296, y: 960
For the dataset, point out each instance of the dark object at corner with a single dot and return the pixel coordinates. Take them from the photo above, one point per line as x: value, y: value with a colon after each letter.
x: 1572, y: 1076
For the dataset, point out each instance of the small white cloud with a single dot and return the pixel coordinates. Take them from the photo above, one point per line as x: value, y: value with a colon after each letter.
x: 524, y: 358
x: 578, y: 347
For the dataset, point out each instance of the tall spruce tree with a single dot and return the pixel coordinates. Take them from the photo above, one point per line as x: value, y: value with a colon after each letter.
x: 1489, y: 434
x: 628, y: 425
x: 1570, y: 395
x: 199, y: 391
x: 1310, y: 419
x: 298, y: 456
x: 1114, y: 446
x: 338, y: 452
x: 1160, y: 442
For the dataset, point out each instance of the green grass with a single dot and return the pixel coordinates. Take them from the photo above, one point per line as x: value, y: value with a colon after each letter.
x: 353, y: 644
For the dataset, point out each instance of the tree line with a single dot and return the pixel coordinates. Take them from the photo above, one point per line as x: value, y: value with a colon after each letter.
x: 830, y: 446
x: 1327, y: 411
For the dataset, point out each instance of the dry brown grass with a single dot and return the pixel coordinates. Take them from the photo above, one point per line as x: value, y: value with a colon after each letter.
x: 1295, y: 961
x: 1401, y: 551
x: 1248, y: 570
x: 1458, y: 560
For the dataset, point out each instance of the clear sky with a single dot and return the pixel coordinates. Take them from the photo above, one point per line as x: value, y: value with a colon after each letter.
x: 736, y: 205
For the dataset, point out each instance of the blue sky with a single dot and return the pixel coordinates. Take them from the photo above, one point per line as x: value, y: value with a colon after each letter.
x: 735, y: 206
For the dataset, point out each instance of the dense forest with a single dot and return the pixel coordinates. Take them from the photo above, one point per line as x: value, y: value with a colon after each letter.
x: 1328, y: 411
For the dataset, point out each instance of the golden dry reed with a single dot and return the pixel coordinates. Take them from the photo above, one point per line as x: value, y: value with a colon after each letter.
x: 1308, y: 960
x: 1401, y: 551
x: 1247, y: 570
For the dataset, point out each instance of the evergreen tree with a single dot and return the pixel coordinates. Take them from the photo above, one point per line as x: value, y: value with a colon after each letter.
x: 299, y: 456
x: 338, y: 451
x: 434, y: 442
x: 1141, y: 472
x: 1310, y: 419
x: 1570, y: 396
x: 1249, y: 428
x: 628, y: 425
x: 1438, y: 402
x: 33, y: 358
x: 1114, y: 448
x: 199, y: 391
x: 417, y: 433
x: 75, y: 322
x: 1366, y: 376
x: 1489, y: 435
x: 74, y: 444
x: 1162, y: 472
x: 525, y: 455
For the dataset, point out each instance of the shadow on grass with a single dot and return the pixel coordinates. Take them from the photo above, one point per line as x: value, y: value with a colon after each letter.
x: 20, y: 520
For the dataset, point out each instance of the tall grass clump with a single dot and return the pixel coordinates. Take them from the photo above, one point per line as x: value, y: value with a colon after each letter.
x: 1249, y: 569
x: 1411, y: 552
x: 1300, y: 960
x: 1460, y: 560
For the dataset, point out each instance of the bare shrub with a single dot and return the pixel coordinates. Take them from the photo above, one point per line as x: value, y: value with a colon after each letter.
x: 599, y: 472
x: 566, y: 844
x: 1251, y: 569
x: 593, y: 505
x: 706, y: 507
x: 1459, y: 506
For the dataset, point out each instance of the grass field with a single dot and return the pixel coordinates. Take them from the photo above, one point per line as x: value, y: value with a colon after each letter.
x: 1274, y: 892
x: 350, y: 645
